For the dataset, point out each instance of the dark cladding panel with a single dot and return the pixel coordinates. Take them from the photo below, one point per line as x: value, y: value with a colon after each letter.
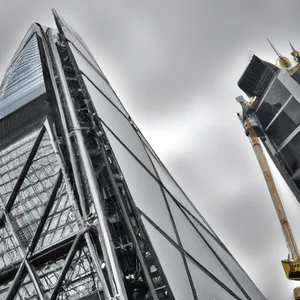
x: 285, y: 123
x: 23, y: 80
x: 291, y: 153
x: 276, y: 97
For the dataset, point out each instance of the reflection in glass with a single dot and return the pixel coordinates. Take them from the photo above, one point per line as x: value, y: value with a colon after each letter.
x: 35, y: 192
x: 12, y: 160
x: 61, y: 221
x: 206, y: 287
x: 23, y: 80
x: 291, y: 153
x: 145, y: 192
x: 274, y: 100
x: 285, y: 123
x: 196, y: 247
x: 171, y: 262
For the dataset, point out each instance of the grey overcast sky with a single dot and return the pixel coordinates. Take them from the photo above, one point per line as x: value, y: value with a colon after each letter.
x: 175, y: 65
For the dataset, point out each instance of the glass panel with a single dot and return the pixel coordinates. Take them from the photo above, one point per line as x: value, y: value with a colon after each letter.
x: 81, y: 279
x: 61, y: 221
x: 274, y: 100
x: 175, y: 190
x: 12, y: 160
x: 206, y: 287
x: 291, y: 153
x: 285, y: 123
x: 4, y: 287
x: 9, y: 251
x: 97, y: 80
x: 26, y: 290
x: 76, y: 39
x: 196, y: 247
x: 232, y: 264
x: 23, y: 81
x: 35, y: 192
x: 49, y: 274
x: 171, y: 262
x: 144, y: 190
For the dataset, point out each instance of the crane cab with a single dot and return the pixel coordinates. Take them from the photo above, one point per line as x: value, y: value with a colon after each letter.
x: 292, y: 270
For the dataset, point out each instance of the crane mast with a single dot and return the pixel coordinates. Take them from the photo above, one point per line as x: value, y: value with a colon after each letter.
x: 257, y: 148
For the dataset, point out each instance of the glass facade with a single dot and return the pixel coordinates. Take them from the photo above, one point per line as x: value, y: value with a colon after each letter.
x: 88, y: 210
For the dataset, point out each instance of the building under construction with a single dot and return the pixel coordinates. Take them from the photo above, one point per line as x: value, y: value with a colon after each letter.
x: 88, y: 210
x: 271, y: 118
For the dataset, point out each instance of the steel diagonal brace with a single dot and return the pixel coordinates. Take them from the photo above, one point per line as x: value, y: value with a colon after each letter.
x: 90, y: 245
x: 68, y: 263
x: 24, y: 171
x: 25, y: 263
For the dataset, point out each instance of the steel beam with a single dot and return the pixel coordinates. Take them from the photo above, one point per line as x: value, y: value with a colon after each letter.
x: 43, y: 220
x: 128, y: 224
x: 90, y: 245
x: 16, y: 282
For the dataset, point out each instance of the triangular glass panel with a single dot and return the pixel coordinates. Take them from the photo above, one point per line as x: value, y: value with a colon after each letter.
x: 61, y: 221
x: 35, y: 192
x: 12, y: 160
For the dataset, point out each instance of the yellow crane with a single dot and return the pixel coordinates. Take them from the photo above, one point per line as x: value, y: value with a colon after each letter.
x: 292, y: 264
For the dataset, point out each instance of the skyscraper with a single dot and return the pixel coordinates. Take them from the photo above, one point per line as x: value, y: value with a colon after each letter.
x: 88, y: 210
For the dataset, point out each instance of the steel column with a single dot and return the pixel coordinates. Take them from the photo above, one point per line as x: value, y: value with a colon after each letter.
x: 128, y: 223
x: 90, y: 174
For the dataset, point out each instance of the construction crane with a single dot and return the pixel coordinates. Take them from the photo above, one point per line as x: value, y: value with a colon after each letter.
x: 291, y: 265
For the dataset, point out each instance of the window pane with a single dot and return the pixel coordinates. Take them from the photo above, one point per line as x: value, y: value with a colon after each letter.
x: 171, y: 262
x: 285, y: 123
x: 274, y: 100
x: 291, y: 153
x: 196, y: 247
